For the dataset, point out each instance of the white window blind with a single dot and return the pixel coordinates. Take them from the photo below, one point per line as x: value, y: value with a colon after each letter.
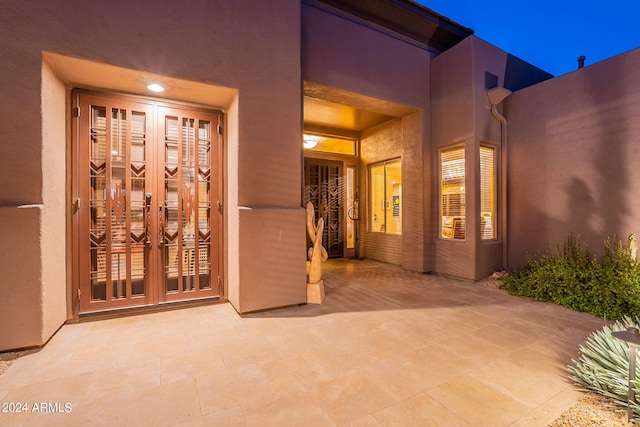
x: 452, y: 193
x: 487, y: 193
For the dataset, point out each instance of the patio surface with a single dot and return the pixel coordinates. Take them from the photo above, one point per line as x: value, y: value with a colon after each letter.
x: 387, y: 347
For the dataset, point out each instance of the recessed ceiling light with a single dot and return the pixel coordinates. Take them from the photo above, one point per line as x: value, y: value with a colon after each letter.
x: 155, y: 87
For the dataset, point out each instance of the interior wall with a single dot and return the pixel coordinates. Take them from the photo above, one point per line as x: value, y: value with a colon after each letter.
x: 573, y: 162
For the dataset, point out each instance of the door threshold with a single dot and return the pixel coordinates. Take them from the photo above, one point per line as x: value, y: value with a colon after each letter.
x: 147, y: 309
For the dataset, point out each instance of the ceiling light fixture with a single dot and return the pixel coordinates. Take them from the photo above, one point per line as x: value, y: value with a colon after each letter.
x: 155, y: 87
x: 310, y: 141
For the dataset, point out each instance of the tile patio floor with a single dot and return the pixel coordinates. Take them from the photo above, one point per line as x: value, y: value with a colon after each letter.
x: 387, y: 347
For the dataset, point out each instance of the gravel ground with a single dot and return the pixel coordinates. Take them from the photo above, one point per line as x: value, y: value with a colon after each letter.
x: 593, y: 410
x: 6, y: 359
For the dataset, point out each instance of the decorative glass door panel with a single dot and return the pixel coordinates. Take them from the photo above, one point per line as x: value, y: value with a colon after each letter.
x: 185, y: 214
x: 145, y: 178
x: 324, y: 187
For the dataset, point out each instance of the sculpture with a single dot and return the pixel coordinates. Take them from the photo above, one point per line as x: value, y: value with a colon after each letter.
x: 317, y: 254
x: 632, y: 246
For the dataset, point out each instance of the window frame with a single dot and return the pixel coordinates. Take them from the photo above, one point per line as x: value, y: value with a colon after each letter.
x: 494, y: 190
x: 442, y: 225
x: 387, y: 200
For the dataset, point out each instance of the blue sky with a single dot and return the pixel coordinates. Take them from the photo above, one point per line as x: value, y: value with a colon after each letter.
x: 550, y: 34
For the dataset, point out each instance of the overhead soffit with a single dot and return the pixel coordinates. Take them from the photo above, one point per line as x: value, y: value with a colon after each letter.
x: 325, y: 114
x: 75, y: 72
x: 408, y: 18
x: 330, y: 107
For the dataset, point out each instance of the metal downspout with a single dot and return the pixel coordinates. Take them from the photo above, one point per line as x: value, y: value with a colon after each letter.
x: 503, y: 160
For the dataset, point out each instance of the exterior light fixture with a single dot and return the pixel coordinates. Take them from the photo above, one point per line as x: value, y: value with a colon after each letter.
x: 155, y: 87
x: 310, y: 141
x: 631, y: 336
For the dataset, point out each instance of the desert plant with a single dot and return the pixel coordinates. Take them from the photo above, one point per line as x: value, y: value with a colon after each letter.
x: 572, y: 277
x: 603, y: 364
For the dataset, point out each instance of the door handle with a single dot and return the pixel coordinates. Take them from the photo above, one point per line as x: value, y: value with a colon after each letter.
x: 147, y: 218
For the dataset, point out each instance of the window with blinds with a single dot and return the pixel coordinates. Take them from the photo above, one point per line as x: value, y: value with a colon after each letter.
x: 487, y: 193
x: 452, y: 194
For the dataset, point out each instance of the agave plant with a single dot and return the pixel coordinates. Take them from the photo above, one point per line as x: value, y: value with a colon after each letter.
x: 603, y: 364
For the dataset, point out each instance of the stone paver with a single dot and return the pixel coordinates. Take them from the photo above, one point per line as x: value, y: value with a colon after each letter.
x: 387, y: 347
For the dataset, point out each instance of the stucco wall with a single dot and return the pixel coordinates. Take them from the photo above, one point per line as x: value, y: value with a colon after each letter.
x: 250, y: 46
x: 574, y: 156
x: 339, y: 51
x: 461, y: 116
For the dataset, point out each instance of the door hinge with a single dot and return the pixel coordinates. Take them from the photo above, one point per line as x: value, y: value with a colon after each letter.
x: 219, y: 282
x: 75, y: 205
x: 75, y: 112
x: 219, y: 203
x: 219, y: 130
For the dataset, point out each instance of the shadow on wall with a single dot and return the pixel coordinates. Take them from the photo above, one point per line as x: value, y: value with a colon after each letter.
x: 578, y: 149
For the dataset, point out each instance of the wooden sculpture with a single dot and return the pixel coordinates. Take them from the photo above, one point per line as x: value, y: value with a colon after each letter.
x: 632, y: 246
x: 317, y: 254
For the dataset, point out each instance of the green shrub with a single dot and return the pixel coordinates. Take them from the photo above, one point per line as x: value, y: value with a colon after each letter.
x: 603, y: 365
x: 572, y: 277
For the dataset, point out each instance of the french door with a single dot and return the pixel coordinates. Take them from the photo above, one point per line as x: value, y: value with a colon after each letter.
x: 147, y: 220
x: 325, y: 188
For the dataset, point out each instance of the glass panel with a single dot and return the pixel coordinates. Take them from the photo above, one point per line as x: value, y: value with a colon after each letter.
x: 378, y: 200
x: 352, y: 214
x: 452, y: 191
x: 393, y: 190
x: 98, y: 230
x: 98, y: 132
x: 137, y: 269
x: 138, y: 136
x: 204, y: 266
x: 171, y: 142
x: 118, y: 134
x: 188, y: 204
x: 119, y: 211
x: 487, y: 194
x: 204, y: 142
x: 118, y: 272
x: 98, y: 273
x: 386, y: 197
x: 171, y: 267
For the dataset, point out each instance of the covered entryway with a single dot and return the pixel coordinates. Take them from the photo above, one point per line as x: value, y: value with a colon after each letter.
x: 147, y: 229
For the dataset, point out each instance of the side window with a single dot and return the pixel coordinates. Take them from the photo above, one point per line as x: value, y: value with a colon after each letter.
x: 386, y: 197
x: 487, y: 193
x: 452, y: 194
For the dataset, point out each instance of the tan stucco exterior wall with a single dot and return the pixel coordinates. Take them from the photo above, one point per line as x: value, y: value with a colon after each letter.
x: 461, y: 116
x: 575, y: 151
x: 201, y: 42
